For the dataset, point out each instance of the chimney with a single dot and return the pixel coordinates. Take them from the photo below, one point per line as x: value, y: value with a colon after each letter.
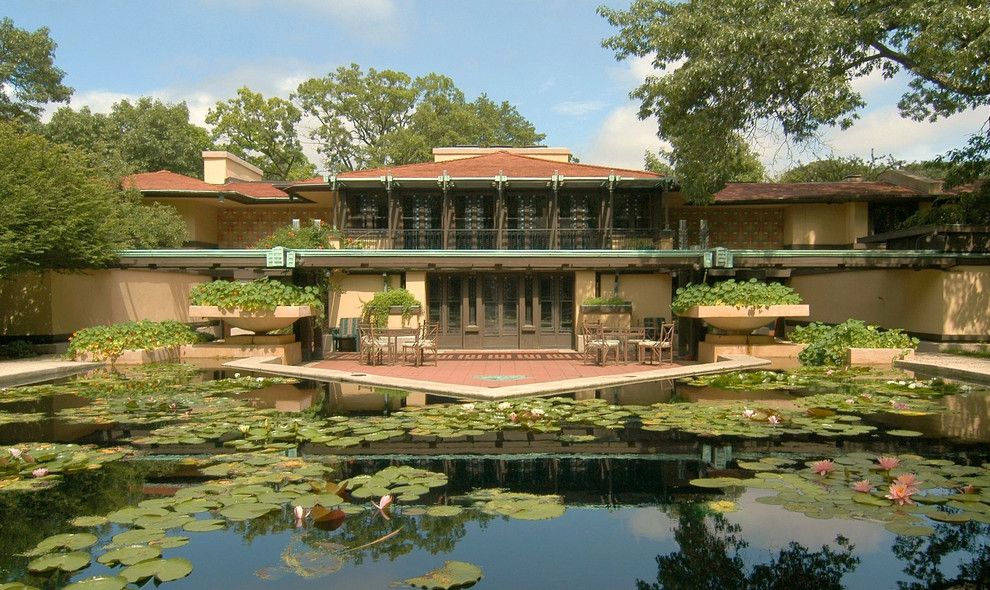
x: 219, y: 167
x: 853, y: 178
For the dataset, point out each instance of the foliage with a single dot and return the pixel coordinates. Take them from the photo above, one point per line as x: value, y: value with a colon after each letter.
x: 17, y: 349
x: 376, y: 309
x: 827, y: 345
x: 610, y: 300
x: 28, y: 76
x: 60, y: 209
x: 387, y: 117
x: 698, y: 182
x: 264, y: 131
x: 730, y: 292
x: 310, y: 237
x: 728, y: 67
x: 147, y: 135
x: 109, y: 342
x: 262, y: 294
x: 836, y: 169
x: 969, y: 208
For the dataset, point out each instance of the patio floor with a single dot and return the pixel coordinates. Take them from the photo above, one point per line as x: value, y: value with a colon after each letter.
x: 491, y: 369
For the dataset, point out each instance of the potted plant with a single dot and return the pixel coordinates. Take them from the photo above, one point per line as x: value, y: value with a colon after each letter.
x: 132, y: 343
x: 395, y: 306
x: 852, y: 343
x: 738, y: 307
x: 612, y: 304
x: 259, y: 306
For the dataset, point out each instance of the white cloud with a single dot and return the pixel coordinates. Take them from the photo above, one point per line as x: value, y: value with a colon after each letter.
x: 578, y: 108
x: 622, y: 139
x: 548, y: 84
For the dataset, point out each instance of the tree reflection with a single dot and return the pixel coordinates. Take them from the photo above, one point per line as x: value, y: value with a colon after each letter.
x: 924, y: 557
x: 709, y: 557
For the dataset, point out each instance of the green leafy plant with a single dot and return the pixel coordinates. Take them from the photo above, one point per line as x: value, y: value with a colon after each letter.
x: 376, y: 309
x: 828, y: 345
x: 263, y: 294
x: 738, y: 294
x: 109, y: 342
x: 310, y: 237
x: 610, y: 300
x: 17, y: 349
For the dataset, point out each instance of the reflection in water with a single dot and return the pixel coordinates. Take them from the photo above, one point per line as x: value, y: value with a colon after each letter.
x: 924, y: 557
x: 709, y: 555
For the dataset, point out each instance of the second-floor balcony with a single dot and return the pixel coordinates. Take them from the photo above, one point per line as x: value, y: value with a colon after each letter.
x: 510, y: 239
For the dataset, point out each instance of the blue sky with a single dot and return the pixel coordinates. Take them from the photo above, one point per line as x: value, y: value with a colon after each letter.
x: 543, y: 56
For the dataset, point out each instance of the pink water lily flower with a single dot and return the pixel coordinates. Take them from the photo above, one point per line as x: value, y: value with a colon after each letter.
x: 747, y: 413
x: 969, y: 489
x: 300, y: 513
x: 773, y: 419
x: 900, y: 494
x: 823, y: 467
x: 513, y: 417
x: 888, y: 463
x: 383, y: 504
x: 908, y: 479
x: 863, y: 486
x: 40, y: 472
x: 14, y: 452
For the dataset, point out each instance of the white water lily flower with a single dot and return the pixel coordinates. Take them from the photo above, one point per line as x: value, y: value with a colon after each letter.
x: 237, y: 375
x: 259, y: 379
x: 538, y: 412
x: 504, y: 406
x: 468, y: 407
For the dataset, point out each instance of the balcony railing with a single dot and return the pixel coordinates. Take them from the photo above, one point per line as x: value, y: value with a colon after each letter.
x: 511, y: 239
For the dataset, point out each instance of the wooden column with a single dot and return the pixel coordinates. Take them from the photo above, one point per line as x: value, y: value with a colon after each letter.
x: 609, y: 218
x: 554, y: 213
x: 501, y: 212
x: 394, y: 212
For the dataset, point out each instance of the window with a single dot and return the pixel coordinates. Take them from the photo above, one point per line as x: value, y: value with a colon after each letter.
x: 367, y: 211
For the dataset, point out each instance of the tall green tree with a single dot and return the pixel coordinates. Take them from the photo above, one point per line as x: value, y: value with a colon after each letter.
x: 733, y: 66
x: 28, y: 77
x: 373, y: 118
x: 699, y: 181
x: 264, y: 131
x: 63, y: 208
x: 146, y: 135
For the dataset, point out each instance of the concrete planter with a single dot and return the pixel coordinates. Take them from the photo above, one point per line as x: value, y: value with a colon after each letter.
x: 165, y: 354
x: 603, y: 309
x: 876, y: 356
x: 612, y: 316
x: 395, y: 319
x: 258, y: 322
x: 743, y: 320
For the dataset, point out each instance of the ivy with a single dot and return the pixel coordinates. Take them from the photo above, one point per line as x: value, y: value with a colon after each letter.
x: 311, y: 237
x: 376, y: 309
x: 109, y: 342
x: 738, y: 294
x: 611, y: 300
x: 263, y: 294
x: 828, y: 345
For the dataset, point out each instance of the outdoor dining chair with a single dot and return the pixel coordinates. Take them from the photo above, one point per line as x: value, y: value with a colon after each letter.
x: 655, y: 348
x: 425, y: 341
x: 596, y: 346
x: 371, y: 347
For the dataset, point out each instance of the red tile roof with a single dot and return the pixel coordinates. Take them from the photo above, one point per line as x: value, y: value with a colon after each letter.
x: 489, y: 165
x: 756, y: 192
x: 165, y: 181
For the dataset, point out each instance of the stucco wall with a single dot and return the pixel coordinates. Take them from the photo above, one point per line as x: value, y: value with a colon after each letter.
x: 822, y: 224
x: 61, y: 303
x: 353, y: 291
x: 200, y: 217
x: 943, y: 303
x: 649, y: 294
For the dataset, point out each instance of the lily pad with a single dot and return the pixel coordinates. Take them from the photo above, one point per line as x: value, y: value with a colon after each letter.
x: 88, y: 521
x: 453, y: 574
x: 163, y: 570
x: 904, y: 433
x: 717, y: 482
x: 203, y: 526
x: 444, y: 510
x: 129, y: 555
x: 67, y: 562
x: 99, y: 583
x: 64, y: 541
x: 247, y: 511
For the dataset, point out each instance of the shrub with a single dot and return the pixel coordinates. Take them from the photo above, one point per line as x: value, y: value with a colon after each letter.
x: 376, y: 309
x: 109, y: 342
x: 311, y: 237
x: 828, y: 345
x: 17, y: 349
x: 260, y: 295
x: 730, y: 292
x: 610, y: 300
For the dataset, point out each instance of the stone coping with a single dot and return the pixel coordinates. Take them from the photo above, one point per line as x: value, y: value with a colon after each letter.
x: 272, y: 365
x: 948, y: 366
x: 34, y: 370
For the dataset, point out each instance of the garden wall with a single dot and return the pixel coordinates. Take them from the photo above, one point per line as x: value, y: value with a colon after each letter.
x: 53, y: 305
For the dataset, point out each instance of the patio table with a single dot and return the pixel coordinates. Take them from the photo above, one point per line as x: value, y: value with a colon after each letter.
x: 391, y: 338
x: 626, y: 337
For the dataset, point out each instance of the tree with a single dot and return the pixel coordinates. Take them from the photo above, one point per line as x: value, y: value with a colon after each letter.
x: 387, y: 117
x: 146, y: 135
x: 736, y: 66
x: 63, y: 208
x: 837, y: 168
x: 263, y: 130
x: 28, y: 76
x: 698, y: 180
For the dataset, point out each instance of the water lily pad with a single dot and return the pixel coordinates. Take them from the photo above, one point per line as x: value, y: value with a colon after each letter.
x: 247, y: 511
x: 17, y: 586
x: 64, y: 541
x: 163, y: 570
x: 88, y: 521
x: 444, y: 510
x: 67, y: 562
x: 137, y: 537
x: 716, y: 482
x: 909, y: 529
x: 453, y: 574
x: 904, y: 433
x: 203, y: 526
x: 129, y: 555
x: 98, y: 583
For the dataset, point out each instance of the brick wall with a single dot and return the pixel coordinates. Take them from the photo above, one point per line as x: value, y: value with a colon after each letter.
x: 735, y: 227
x: 242, y: 228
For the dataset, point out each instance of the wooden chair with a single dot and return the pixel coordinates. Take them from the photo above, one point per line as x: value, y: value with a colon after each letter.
x: 665, y: 341
x: 596, y: 346
x: 347, y: 331
x: 370, y: 347
x: 426, y: 340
